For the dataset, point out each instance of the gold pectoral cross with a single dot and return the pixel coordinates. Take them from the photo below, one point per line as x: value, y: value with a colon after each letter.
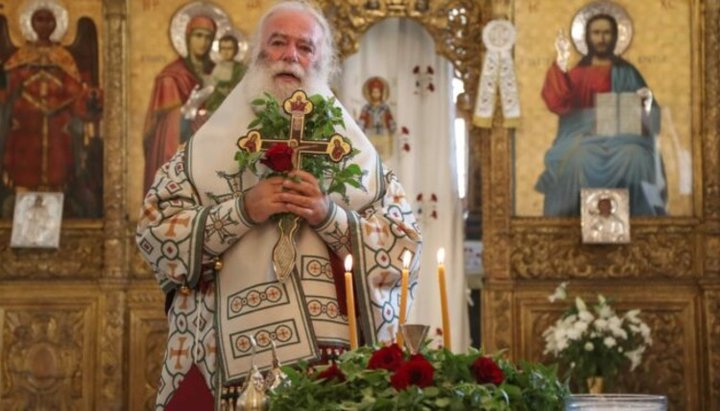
x: 297, y: 106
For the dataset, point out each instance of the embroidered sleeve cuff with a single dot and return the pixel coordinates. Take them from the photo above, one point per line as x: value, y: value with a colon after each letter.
x: 227, y: 222
x: 244, y: 216
x: 196, y: 247
x: 334, y: 229
x: 329, y: 218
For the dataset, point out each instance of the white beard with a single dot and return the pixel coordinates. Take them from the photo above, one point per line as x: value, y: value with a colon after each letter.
x: 260, y: 79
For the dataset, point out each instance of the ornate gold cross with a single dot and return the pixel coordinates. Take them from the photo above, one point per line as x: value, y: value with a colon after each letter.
x: 297, y: 106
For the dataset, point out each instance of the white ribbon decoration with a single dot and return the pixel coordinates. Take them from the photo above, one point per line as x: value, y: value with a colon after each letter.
x: 498, y: 72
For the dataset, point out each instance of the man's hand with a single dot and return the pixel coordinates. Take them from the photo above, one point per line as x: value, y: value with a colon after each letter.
x: 304, y: 197
x: 562, y: 46
x: 264, y: 199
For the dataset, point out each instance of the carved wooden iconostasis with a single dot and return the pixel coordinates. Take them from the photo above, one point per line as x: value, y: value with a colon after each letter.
x: 670, y: 268
x: 83, y: 327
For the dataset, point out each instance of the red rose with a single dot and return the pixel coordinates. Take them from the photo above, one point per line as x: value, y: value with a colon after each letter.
x: 279, y: 157
x: 331, y: 373
x: 388, y: 358
x: 486, y: 371
x: 416, y: 371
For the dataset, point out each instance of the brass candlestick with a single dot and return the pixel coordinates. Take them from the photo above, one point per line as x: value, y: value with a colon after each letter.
x: 253, y: 396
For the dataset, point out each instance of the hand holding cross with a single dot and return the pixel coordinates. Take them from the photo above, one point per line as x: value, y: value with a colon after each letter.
x: 267, y: 197
x: 300, y: 195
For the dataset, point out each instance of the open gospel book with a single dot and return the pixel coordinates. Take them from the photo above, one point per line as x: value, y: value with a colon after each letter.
x: 618, y: 113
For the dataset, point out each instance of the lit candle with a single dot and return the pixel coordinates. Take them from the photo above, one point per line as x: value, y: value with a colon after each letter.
x: 404, y: 284
x: 350, y: 302
x: 443, y: 299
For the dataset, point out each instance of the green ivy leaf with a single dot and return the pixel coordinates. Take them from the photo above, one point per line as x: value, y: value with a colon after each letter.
x: 431, y: 392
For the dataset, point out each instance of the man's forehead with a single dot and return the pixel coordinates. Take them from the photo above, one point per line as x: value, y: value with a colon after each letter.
x: 294, y: 24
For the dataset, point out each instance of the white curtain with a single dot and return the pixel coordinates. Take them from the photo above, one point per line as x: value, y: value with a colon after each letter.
x: 421, y: 99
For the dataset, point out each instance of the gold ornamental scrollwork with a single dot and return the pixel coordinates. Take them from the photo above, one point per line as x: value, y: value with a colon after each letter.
x: 496, y: 212
x: 115, y: 129
x: 712, y: 313
x: 455, y: 25
x: 544, y: 251
x: 80, y: 256
x: 498, y: 304
x: 665, y: 360
x: 42, y: 359
x: 147, y: 328
x: 110, y: 382
x: 712, y: 258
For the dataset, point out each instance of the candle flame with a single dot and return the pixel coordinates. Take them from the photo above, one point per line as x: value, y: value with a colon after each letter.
x: 348, y: 263
x: 441, y: 255
x: 406, y: 259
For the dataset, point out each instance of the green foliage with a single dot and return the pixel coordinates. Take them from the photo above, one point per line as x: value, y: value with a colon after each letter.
x: 533, y: 386
x: 527, y: 387
x: 248, y: 160
x: 274, y: 124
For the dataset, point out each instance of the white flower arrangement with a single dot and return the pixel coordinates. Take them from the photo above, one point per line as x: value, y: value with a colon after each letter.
x: 596, y: 342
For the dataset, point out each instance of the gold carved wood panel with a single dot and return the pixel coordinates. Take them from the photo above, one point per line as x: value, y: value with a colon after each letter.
x: 80, y: 256
x: 712, y: 339
x: 148, y: 336
x: 61, y: 344
x: 543, y: 251
x: 49, y: 347
x: 670, y: 313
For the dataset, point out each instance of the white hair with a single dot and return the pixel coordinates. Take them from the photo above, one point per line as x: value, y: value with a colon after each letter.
x: 327, y: 65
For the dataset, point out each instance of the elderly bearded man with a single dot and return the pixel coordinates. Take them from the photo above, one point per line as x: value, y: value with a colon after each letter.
x: 207, y: 233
